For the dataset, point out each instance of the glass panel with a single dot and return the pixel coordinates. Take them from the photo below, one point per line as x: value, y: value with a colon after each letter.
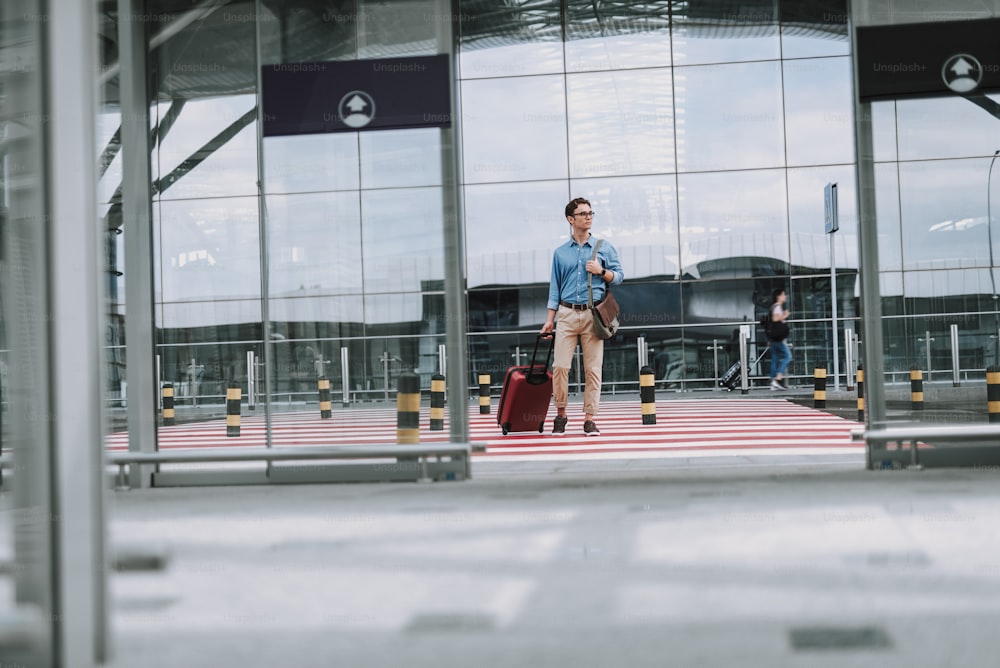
x: 811, y: 28
x: 514, y: 129
x: 638, y: 215
x: 308, y: 31
x: 615, y: 36
x: 398, y: 29
x: 647, y: 304
x: 311, y: 163
x: 884, y: 131
x: 729, y: 117
x: 620, y: 123
x: 400, y: 158
x: 712, y: 33
x: 511, y: 39
x: 945, y: 127
x: 316, y: 317
x: 944, y: 214
x: 199, y: 363
x: 819, y: 125
x: 733, y: 224
x: 208, y: 250
x: 890, y: 254
x: 210, y: 150
x: 403, y: 314
x: 402, y: 244
x: 511, y: 231
x: 810, y: 245
x: 314, y: 245
x: 108, y: 139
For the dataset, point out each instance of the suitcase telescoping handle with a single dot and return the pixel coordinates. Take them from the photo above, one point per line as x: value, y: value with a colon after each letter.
x: 534, y: 369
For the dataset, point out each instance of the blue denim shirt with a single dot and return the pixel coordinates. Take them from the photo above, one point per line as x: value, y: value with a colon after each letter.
x: 569, y: 272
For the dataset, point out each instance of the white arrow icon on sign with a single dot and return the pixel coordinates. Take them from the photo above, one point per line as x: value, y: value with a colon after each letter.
x: 357, y: 109
x: 962, y: 72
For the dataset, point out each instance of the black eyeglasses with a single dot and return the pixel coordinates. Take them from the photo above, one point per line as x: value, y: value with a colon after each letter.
x: 586, y: 214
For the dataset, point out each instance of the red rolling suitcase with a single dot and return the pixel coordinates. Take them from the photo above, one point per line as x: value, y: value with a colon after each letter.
x: 526, y: 393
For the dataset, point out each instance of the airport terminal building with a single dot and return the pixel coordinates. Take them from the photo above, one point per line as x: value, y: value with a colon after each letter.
x: 237, y: 248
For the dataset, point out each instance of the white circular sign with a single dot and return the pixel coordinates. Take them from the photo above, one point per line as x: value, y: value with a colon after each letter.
x: 356, y: 109
x: 962, y: 72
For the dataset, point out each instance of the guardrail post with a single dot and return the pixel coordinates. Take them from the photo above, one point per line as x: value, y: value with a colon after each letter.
x: 484, y: 394
x: 916, y: 389
x: 955, y: 371
x: 993, y: 393
x: 233, y: 401
x: 647, y: 394
x: 408, y: 408
x: 168, y: 403
x: 437, y: 402
x: 325, y: 409
x: 819, y: 386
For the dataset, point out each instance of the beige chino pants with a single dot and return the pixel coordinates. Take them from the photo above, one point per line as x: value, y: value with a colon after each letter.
x: 573, y: 325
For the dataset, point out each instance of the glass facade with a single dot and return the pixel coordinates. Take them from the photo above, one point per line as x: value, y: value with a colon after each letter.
x: 703, y: 137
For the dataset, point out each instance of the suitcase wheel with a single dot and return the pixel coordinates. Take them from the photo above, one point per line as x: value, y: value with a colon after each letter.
x: 505, y: 427
x: 541, y: 427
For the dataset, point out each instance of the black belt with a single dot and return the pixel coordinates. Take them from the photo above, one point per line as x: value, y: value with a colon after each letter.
x: 577, y: 307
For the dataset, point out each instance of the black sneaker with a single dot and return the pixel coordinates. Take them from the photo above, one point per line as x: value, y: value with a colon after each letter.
x: 559, y: 424
x: 590, y: 429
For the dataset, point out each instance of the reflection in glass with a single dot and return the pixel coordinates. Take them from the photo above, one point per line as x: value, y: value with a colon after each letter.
x: 511, y: 231
x: 208, y: 249
x: 638, y: 215
x: 400, y: 158
x: 402, y: 243
x: 883, y: 118
x: 733, y: 224
x: 812, y: 28
x: 617, y: 36
x: 399, y: 28
x: 944, y: 213
x: 514, y: 129
x: 210, y: 150
x: 316, y: 317
x: 314, y: 244
x: 510, y: 40
x: 818, y: 115
x: 713, y: 33
x: 311, y: 163
x: 890, y: 253
x: 620, y: 123
x: 208, y: 315
x: 810, y: 244
x: 732, y: 117
x: 946, y: 127
x: 308, y: 31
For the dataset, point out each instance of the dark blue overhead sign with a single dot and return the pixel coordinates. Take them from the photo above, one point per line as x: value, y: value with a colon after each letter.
x: 356, y: 95
x: 928, y: 59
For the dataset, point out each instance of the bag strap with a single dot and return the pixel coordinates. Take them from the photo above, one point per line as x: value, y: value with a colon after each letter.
x: 590, y: 276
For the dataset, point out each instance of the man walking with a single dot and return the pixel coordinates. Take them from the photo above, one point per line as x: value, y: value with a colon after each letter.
x: 572, y: 269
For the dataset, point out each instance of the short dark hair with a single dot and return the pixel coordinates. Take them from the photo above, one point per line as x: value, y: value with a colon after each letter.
x: 775, y: 293
x: 573, y: 203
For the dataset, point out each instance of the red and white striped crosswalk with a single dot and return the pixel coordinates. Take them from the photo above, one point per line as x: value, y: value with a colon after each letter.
x: 695, y: 427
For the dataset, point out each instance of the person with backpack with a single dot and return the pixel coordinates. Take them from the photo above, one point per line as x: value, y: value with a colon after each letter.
x: 777, y: 332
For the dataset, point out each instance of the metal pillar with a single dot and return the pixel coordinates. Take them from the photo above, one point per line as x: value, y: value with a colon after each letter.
x: 345, y: 376
x: 955, y: 381
x: 454, y: 242
x: 871, y: 298
x: 137, y: 226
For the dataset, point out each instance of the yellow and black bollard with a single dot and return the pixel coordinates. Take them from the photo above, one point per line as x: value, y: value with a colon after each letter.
x: 167, y: 392
x: 484, y: 394
x: 647, y: 394
x: 234, y: 396
x: 408, y: 408
x: 993, y: 393
x: 437, y: 402
x: 916, y: 389
x: 861, y: 394
x: 819, y: 387
x: 325, y: 409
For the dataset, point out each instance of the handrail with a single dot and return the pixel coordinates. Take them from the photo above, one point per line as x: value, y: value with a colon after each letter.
x: 922, y: 432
